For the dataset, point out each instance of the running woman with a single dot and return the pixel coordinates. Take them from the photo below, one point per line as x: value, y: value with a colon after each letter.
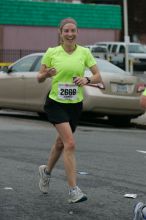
x: 66, y: 64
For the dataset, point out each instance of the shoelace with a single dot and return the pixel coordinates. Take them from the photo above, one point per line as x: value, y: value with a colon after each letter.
x: 76, y: 191
x: 46, y: 180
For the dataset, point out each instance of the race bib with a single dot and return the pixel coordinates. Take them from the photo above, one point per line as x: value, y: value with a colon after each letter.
x: 67, y: 91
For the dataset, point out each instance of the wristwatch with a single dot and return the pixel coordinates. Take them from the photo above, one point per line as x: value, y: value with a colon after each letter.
x: 88, y: 80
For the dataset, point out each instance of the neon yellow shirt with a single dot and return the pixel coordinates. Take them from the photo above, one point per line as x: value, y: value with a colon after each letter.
x: 144, y: 93
x: 67, y: 66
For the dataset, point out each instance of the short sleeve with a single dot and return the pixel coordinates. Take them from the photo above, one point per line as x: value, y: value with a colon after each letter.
x: 90, y: 60
x: 47, y: 58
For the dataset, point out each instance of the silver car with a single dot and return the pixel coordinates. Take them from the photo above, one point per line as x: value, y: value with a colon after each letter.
x: 98, y: 51
x: 117, y: 97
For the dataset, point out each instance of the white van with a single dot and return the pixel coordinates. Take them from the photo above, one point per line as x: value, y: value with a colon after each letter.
x: 136, y: 54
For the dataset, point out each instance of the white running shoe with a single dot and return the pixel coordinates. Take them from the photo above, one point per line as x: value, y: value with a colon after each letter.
x: 77, y: 195
x: 44, y: 179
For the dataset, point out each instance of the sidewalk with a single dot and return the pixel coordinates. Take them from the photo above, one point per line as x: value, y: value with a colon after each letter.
x: 140, y: 121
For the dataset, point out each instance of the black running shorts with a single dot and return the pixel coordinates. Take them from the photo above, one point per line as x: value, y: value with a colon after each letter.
x: 61, y: 112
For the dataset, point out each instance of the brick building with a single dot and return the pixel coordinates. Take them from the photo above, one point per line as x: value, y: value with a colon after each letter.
x: 34, y: 25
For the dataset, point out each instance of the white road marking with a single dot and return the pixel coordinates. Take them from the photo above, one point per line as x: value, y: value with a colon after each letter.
x: 133, y: 196
x: 141, y: 151
x: 83, y: 173
x: 8, y: 188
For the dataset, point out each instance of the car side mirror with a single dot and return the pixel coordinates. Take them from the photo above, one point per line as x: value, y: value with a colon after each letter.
x: 6, y: 69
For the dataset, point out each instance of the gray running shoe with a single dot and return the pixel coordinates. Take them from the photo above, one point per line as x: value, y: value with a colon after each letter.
x: 77, y: 195
x: 138, y: 213
x: 44, y: 179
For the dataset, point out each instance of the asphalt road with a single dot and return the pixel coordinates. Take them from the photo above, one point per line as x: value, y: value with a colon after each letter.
x: 113, y: 158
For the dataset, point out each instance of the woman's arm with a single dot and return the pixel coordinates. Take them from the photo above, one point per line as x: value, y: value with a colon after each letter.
x: 95, y: 78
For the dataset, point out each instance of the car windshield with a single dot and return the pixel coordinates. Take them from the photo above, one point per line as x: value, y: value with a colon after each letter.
x: 106, y: 66
x: 99, y: 49
x: 136, y: 48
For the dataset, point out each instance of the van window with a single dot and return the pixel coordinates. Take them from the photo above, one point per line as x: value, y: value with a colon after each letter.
x: 114, y: 48
x: 109, y: 47
x: 122, y: 49
x: 137, y: 48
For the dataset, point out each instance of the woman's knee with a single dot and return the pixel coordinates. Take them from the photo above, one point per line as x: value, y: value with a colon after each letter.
x: 59, y: 144
x: 69, y: 145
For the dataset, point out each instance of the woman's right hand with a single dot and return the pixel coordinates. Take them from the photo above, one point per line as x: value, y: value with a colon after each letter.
x: 49, y: 72
x: 45, y: 73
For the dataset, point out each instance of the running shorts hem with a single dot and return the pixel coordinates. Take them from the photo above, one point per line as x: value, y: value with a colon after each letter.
x: 61, y: 112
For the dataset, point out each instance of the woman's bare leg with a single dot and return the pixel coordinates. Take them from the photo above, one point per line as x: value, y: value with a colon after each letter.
x: 44, y: 170
x: 65, y: 143
x: 66, y: 135
x: 55, y: 153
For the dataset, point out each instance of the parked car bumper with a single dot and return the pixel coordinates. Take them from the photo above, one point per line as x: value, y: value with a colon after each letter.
x: 105, y: 105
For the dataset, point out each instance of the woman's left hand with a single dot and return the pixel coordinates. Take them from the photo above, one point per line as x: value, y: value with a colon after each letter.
x: 80, y: 81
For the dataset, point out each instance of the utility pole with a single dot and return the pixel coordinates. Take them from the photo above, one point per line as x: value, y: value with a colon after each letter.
x: 126, y: 36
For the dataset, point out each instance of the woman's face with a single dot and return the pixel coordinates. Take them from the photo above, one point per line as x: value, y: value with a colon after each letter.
x: 69, y: 34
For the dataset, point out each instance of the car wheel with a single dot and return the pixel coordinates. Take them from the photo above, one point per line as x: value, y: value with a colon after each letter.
x: 119, y: 120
